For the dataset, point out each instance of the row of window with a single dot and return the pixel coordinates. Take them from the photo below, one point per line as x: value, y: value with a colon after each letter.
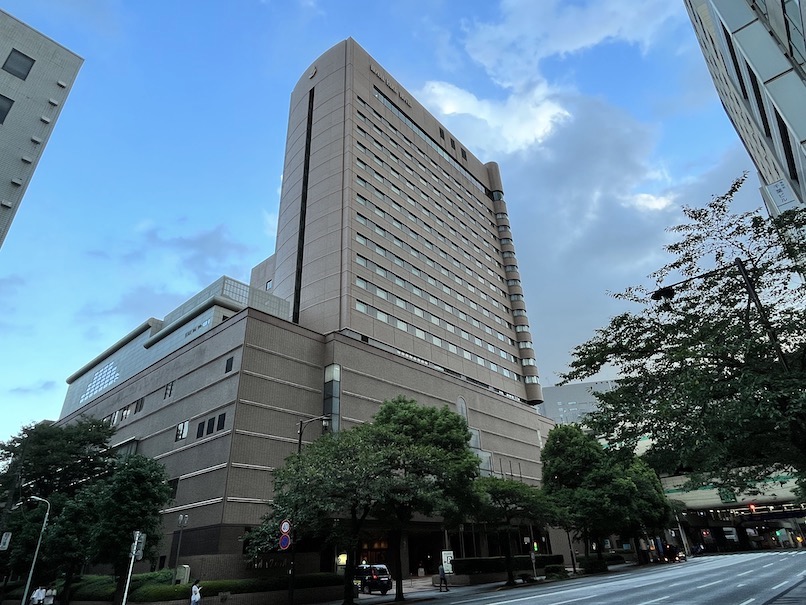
x: 473, y: 202
x: 399, y: 324
x: 124, y: 412
x: 450, y: 241
x: 205, y: 427
x: 412, y: 251
x: 17, y: 64
x: 391, y: 276
x: 430, y: 142
x: 167, y: 392
x: 447, y: 326
x: 431, y: 188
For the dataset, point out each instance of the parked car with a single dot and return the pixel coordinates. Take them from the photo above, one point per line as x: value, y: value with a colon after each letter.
x: 373, y: 577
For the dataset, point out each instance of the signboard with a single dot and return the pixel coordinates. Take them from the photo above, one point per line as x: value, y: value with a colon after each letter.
x: 447, y: 560
x: 5, y: 540
x: 285, y: 534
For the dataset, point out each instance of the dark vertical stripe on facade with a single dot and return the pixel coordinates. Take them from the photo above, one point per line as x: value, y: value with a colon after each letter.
x: 303, y: 203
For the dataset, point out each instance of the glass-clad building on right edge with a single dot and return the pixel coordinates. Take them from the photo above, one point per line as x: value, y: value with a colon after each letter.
x: 755, y: 51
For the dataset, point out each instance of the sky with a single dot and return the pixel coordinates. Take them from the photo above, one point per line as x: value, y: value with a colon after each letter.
x: 164, y: 169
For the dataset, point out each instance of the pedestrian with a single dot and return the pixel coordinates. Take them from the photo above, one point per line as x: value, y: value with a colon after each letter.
x: 195, y: 593
x: 38, y: 598
x: 443, y: 578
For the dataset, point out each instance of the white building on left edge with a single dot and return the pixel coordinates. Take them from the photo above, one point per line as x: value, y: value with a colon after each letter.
x: 36, y: 75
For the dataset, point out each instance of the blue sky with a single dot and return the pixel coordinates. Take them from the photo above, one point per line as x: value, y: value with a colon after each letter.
x: 163, y: 171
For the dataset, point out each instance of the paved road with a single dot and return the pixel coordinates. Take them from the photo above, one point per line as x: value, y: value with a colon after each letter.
x: 757, y: 578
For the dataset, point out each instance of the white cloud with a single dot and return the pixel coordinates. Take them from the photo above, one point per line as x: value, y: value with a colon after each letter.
x: 514, y: 124
x: 647, y: 201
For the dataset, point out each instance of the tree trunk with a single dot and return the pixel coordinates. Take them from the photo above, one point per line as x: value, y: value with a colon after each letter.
x: 349, y: 574
x: 508, y: 556
x: 395, y: 544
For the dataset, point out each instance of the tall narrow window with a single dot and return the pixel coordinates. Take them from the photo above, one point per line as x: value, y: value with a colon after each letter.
x: 228, y: 367
x: 210, y: 425
x: 200, y: 429
x: 169, y: 389
x: 221, y: 421
x: 181, y: 430
x: 5, y: 107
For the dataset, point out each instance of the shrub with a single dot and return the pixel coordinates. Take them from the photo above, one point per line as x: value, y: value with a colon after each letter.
x: 477, y: 565
x: 556, y: 572
x: 593, y: 565
x: 158, y: 586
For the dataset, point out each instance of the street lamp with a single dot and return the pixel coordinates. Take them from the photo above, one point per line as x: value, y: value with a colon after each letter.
x: 668, y: 292
x: 325, y: 418
x: 36, y: 552
x: 181, y: 524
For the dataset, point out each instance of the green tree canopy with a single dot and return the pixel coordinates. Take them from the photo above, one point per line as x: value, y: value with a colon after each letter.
x: 700, y: 372
x: 596, y: 492
x: 410, y: 459
x: 504, y: 501
x: 430, y: 467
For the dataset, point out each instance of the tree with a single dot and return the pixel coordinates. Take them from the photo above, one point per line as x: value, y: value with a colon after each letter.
x: 45, y: 459
x: 52, y: 462
x: 504, y: 501
x: 430, y: 467
x: 327, y: 491
x: 716, y: 381
x: 115, y: 507
x: 411, y: 458
x: 590, y: 491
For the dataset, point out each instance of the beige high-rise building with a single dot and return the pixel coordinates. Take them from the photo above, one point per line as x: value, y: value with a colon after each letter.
x: 36, y: 75
x: 389, y: 228
x: 756, y: 54
x: 394, y: 274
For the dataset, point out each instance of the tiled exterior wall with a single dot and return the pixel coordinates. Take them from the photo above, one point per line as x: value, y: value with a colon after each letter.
x: 38, y: 101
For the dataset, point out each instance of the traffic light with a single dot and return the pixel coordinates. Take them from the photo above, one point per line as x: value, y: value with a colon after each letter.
x: 535, y: 546
x: 752, y: 508
x: 139, y: 545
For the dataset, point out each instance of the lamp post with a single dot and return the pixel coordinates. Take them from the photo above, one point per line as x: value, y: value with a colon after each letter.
x: 36, y: 552
x: 181, y: 524
x: 325, y: 418
x: 668, y: 292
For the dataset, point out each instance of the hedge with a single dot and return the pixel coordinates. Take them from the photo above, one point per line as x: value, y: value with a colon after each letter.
x: 478, y: 565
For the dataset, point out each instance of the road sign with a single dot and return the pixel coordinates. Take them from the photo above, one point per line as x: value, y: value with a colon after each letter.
x: 5, y: 540
x: 285, y: 541
x: 285, y: 526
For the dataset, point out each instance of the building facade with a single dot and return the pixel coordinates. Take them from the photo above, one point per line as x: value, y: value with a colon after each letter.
x: 755, y: 52
x: 569, y: 403
x: 394, y: 274
x: 35, y: 78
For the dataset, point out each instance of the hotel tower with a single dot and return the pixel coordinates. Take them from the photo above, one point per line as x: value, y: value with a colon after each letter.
x: 394, y: 273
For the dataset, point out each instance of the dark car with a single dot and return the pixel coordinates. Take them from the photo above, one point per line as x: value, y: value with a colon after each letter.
x: 373, y: 577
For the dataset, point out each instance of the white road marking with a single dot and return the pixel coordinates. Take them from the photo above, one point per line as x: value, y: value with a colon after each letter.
x: 747, y: 601
x: 744, y: 573
x: 768, y: 565
x: 779, y: 585
x: 654, y: 600
x: 709, y: 584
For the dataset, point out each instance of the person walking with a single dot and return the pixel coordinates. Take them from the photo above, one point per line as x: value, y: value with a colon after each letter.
x: 443, y: 579
x: 195, y: 593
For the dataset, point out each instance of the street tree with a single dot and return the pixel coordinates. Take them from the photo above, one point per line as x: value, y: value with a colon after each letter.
x: 505, y: 502
x: 51, y: 462
x: 430, y: 468
x: 127, y: 500
x: 591, y: 492
x: 327, y: 491
x: 712, y: 368
x: 45, y: 458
